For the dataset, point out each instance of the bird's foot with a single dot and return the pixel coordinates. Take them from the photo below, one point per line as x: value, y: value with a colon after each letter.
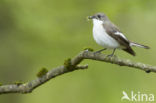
x: 111, y: 55
x: 97, y: 52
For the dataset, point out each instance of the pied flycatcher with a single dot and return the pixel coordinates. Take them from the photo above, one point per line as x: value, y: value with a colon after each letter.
x: 109, y: 36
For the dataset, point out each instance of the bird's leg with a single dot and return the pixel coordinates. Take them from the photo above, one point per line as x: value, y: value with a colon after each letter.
x: 99, y: 51
x: 112, y: 53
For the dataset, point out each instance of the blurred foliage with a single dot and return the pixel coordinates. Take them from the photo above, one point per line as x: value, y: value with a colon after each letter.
x: 37, y: 33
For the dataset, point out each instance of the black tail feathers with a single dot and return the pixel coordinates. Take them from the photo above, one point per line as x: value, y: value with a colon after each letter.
x: 130, y: 51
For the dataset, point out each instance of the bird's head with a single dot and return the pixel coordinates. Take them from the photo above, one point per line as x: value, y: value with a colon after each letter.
x: 99, y: 17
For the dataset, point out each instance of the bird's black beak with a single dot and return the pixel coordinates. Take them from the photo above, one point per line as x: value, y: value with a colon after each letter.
x: 91, y: 17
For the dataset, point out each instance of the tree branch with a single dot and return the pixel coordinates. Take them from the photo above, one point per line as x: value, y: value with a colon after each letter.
x: 71, y: 65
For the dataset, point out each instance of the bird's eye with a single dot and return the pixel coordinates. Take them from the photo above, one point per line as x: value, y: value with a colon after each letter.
x: 99, y: 16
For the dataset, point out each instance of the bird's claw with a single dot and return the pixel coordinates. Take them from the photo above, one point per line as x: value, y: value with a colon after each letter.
x: 97, y: 52
x: 111, y: 55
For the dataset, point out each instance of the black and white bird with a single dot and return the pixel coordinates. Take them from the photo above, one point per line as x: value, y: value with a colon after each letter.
x: 109, y: 36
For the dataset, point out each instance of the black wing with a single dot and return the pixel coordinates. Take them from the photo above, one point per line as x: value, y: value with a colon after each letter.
x: 111, y: 29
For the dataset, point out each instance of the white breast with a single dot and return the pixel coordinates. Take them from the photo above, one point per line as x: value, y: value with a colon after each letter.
x: 101, y: 37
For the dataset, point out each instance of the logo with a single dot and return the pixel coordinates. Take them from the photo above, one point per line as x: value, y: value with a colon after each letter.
x: 137, y: 97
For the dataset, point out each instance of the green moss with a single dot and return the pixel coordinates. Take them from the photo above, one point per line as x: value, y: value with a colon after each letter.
x: 18, y: 83
x: 67, y: 63
x: 42, y: 72
x: 89, y: 49
x: 1, y: 84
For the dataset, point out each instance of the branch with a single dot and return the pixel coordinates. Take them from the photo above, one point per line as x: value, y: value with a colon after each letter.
x: 71, y: 65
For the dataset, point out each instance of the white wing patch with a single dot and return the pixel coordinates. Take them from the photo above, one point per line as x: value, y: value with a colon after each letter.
x: 119, y: 33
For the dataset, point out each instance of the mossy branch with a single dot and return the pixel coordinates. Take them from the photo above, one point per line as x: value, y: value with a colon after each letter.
x: 71, y: 65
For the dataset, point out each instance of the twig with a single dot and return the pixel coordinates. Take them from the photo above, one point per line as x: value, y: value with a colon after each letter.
x: 71, y: 65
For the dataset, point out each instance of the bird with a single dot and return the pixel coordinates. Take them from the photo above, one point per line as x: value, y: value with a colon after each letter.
x: 109, y: 36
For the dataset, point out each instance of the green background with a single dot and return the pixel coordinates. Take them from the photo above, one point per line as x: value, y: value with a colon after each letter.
x: 43, y: 33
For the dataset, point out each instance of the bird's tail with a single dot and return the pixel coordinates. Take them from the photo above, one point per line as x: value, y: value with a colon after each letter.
x: 129, y: 50
x: 139, y: 45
